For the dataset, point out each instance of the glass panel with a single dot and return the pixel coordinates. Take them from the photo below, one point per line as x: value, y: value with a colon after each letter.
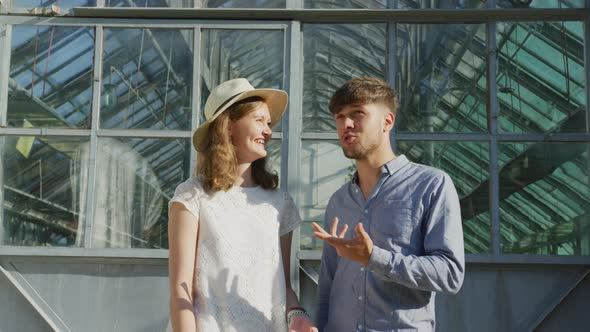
x: 47, y: 3
x: 253, y: 54
x: 441, y: 78
x: 41, y: 195
x: 243, y: 3
x: 135, y: 179
x: 147, y: 79
x: 333, y: 54
x: 150, y: 3
x: 50, y: 83
x: 540, y: 3
x: 541, y: 77
x: 467, y: 164
x: 324, y: 169
x: 370, y: 4
x: 545, y: 198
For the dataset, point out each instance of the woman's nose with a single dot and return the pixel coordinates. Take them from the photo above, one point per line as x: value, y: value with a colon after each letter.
x: 267, y: 132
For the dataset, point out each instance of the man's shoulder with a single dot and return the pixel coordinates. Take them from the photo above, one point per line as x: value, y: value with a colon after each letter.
x: 427, y: 171
x: 428, y: 174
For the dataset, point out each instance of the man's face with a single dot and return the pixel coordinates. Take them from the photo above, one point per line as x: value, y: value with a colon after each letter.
x: 361, y: 129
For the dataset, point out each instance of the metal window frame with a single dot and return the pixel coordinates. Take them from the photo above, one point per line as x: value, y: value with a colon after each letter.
x: 292, y: 124
x: 95, y: 132
x: 291, y: 21
x: 492, y: 136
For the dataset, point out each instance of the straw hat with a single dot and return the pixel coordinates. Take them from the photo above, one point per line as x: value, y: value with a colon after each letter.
x: 228, y: 93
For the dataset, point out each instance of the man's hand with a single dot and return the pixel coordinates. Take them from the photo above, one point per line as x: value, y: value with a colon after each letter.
x: 358, y: 249
x: 302, y: 324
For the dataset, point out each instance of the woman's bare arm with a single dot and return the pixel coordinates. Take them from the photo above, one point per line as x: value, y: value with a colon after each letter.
x: 183, y: 228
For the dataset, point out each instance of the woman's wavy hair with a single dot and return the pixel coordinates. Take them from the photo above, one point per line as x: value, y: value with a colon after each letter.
x: 217, y: 163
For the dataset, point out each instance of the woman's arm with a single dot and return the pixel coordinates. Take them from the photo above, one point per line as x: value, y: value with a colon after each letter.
x: 298, y: 323
x: 183, y: 228
x: 286, y: 252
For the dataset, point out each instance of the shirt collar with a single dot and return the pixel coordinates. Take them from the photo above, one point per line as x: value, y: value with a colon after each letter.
x: 389, y: 167
x: 395, y: 164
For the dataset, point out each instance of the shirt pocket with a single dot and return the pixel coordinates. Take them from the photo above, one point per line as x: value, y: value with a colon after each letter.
x: 395, y: 224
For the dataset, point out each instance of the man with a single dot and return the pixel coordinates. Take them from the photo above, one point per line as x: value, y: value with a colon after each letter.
x: 407, y: 241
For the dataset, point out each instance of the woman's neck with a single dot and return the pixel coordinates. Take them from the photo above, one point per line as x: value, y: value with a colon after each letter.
x: 244, y: 176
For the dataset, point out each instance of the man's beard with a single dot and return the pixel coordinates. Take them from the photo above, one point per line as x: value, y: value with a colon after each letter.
x: 359, y: 151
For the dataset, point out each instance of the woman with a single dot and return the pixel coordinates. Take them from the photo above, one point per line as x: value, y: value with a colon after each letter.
x: 229, y: 228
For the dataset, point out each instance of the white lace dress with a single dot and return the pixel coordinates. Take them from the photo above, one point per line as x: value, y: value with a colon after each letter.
x: 239, y: 280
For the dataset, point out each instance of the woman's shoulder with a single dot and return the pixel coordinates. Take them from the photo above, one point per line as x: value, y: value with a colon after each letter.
x: 279, y: 196
x: 191, y: 186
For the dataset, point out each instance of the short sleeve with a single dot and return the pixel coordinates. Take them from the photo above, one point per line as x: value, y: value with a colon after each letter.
x: 289, y: 216
x: 188, y: 194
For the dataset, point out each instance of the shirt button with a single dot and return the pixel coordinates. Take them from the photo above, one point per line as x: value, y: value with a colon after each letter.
x: 366, y: 211
x: 362, y: 269
x: 360, y: 298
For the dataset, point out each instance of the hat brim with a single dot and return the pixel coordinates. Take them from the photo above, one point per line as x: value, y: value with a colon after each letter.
x: 275, y: 99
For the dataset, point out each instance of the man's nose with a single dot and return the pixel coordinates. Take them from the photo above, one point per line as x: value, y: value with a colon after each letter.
x: 348, y: 123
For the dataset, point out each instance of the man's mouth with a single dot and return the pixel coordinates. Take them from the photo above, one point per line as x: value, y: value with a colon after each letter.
x: 349, y: 139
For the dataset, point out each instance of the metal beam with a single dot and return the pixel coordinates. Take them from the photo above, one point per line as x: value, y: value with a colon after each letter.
x: 505, y: 259
x: 541, y: 315
x: 196, y: 92
x: 143, y: 23
x: 37, y: 302
x: 95, y: 116
x: 587, y: 66
x: 5, y: 50
x: 338, y: 15
x: 87, y: 254
x: 291, y: 124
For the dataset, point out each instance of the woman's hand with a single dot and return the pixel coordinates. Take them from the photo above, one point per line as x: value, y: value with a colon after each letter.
x: 302, y: 324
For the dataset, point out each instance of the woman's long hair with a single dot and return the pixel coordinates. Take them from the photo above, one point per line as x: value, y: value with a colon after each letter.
x: 217, y: 163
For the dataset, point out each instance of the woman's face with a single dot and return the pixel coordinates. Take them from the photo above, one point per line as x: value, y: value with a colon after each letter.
x: 250, y: 134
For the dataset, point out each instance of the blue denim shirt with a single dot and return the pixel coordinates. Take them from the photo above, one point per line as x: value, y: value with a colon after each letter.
x: 414, y: 220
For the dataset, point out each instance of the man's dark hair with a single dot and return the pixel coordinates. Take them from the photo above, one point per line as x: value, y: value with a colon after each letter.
x: 364, y: 90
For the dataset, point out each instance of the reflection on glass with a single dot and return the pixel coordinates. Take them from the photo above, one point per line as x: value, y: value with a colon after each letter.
x: 253, y: 54
x: 467, y: 163
x: 447, y: 4
x: 47, y: 3
x: 545, y: 198
x: 324, y: 169
x: 135, y: 179
x: 50, y: 83
x: 441, y: 78
x: 243, y: 3
x: 147, y: 79
x: 40, y: 198
x: 333, y: 54
x: 351, y: 4
x: 540, y: 4
x: 150, y: 3
x: 541, y: 77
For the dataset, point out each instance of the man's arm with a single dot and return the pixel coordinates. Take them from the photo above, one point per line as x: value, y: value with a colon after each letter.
x: 442, y: 267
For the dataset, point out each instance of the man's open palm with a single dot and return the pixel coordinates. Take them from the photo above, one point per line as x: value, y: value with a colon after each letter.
x: 357, y: 249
